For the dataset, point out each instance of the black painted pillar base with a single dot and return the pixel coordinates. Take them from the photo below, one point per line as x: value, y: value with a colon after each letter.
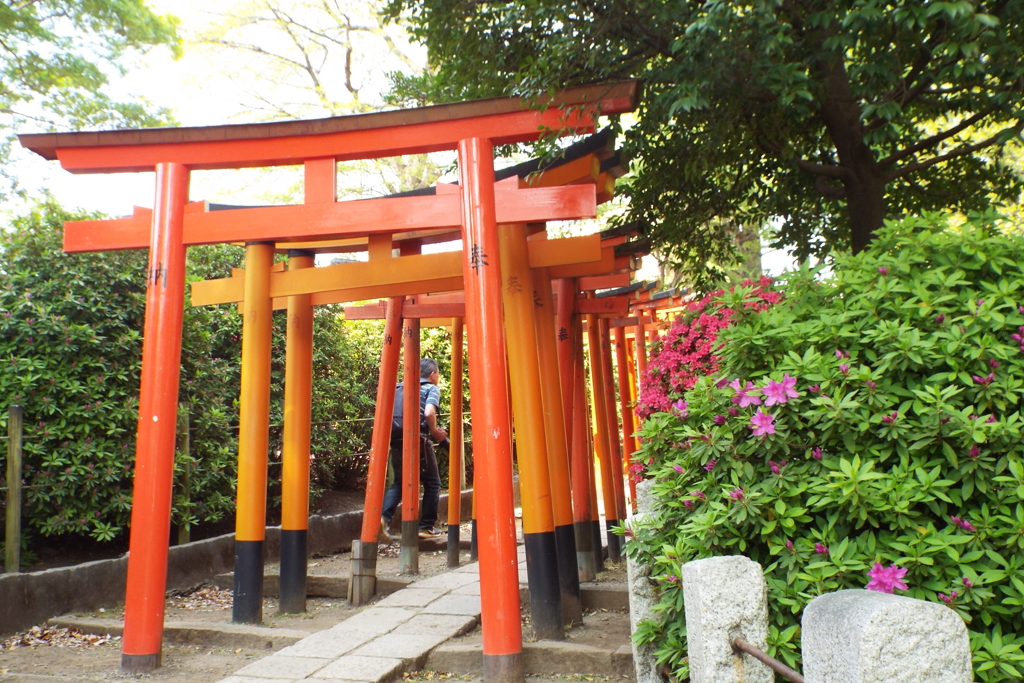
x: 409, y: 554
x: 472, y: 541
x: 584, y: 551
x: 141, y: 664
x: 614, y: 541
x: 453, y: 545
x: 504, y: 668
x: 568, y: 575
x: 595, y: 535
x: 362, y: 584
x: 542, y: 577
x: 247, y: 607
x: 292, y: 587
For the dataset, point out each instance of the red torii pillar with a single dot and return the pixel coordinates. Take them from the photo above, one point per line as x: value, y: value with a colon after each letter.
x: 158, y: 412
x: 499, y: 570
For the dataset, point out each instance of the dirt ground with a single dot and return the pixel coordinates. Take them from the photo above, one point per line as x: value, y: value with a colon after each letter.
x: 58, y: 655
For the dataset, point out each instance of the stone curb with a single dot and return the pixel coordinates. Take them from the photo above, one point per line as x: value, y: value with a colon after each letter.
x: 196, y: 633
x: 542, y: 658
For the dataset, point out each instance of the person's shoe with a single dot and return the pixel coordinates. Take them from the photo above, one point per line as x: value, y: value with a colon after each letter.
x: 383, y: 537
x: 430, y: 532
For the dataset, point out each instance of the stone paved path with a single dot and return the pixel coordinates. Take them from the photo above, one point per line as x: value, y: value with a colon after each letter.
x: 382, y: 641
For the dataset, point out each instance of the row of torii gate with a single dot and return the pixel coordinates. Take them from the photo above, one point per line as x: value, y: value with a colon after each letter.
x: 500, y: 284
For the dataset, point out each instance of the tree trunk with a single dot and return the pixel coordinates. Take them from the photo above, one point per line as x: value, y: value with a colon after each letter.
x: 865, y: 197
x: 863, y: 180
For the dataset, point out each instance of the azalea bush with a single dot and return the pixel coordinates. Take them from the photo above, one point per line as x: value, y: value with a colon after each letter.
x: 686, y: 351
x: 864, y: 432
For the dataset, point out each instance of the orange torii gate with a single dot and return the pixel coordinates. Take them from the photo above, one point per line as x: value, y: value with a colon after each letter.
x: 471, y: 128
x: 589, y: 161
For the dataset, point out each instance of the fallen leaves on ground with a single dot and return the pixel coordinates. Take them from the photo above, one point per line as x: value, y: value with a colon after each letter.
x: 203, y: 599
x: 431, y: 675
x: 393, y: 550
x: 49, y: 636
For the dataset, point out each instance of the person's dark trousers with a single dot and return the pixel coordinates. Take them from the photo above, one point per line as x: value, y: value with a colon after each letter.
x: 429, y: 477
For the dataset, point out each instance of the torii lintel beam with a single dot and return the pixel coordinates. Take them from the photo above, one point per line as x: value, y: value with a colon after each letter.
x: 427, y: 272
x: 381, y: 134
x: 334, y: 219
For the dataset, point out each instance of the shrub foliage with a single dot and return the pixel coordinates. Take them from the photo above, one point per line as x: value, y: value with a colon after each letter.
x: 870, y: 417
x: 70, y: 354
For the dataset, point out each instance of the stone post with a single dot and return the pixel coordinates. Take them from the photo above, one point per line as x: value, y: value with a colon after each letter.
x: 860, y: 636
x: 642, y: 598
x: 725, y: 598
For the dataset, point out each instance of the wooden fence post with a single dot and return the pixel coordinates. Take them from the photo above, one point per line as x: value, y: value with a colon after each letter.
x: 184, y: 448
x: 13, y: 537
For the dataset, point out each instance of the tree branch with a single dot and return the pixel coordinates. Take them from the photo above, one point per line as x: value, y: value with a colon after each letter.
x: 824, y: 170
x: 935, y: 139
x: 962, y: 151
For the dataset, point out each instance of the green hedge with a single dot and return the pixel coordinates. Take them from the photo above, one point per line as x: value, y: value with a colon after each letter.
x: 898, y: 443
x: 70, y: 354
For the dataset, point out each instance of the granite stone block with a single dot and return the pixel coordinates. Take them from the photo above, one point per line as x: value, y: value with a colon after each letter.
x: 725, y: 598
x: 860, y: 636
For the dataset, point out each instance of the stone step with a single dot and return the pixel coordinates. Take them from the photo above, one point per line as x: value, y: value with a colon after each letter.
x: 541, y: 658
x: 611, y: 597
x: 195, y: 633
x: 317, y: 586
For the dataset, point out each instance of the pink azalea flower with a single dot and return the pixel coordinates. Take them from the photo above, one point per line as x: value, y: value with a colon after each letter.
x: 688, y: 503
x: 816, y: 453
x: 710, y: 465
x: 844, y: 368
x: 721, y: 382
x: 890, y: 418
x: 719, y: 419
x: 993, y: 363
x: 776, y: 466
x: 948, y: 599
x: 780, y: 392
x: 681, y: 408
x: 883, y: 270
x: 991, y: 419
x: 789, y: 544
x: 736, y: 494
x: 733, y: 412
x: 699, y: 494
x: 678, y: 468
x: 815, y: 388
x: 962, y: 523
x: 839, y: 354
x: 744, y: 394
x: 885, y: 579
x: 762, y: 423
x: 967, y: 583
x: 820, y: 549
x: 975, y: 451
x: 939, y: 318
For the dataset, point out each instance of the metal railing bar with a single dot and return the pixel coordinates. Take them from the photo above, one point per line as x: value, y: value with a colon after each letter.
x: 769, y: 661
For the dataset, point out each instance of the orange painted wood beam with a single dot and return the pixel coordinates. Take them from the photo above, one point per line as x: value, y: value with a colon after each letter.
x: 333, y: 220
x: 607, y: 304
x: 380, y: 134
x: 420, y: 311
x: 374, y: 143
x: 420, y: 273
x: 586, y: 169
x: 604, y: 281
